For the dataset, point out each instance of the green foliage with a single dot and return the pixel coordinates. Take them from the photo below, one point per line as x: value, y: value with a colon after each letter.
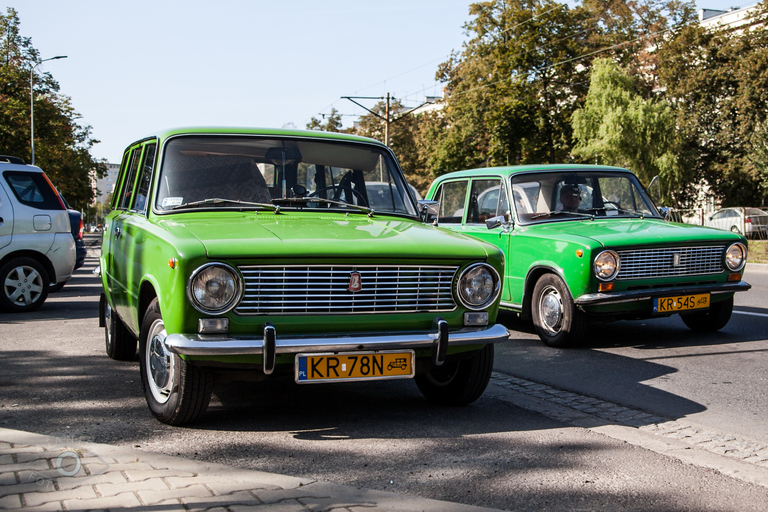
x: 718, y: 83
x: 511, y: 92
x: 62, y: 146
x: 617, y: 126
x: 332, y: 123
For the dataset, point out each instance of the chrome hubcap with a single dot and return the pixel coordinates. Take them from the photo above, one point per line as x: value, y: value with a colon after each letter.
x: 551, y: 310
x: 159, y: 363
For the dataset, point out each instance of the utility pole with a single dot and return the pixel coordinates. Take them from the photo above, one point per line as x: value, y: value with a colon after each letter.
x: 386, y: 125
x: 388, y: 119
x: 32, y: 103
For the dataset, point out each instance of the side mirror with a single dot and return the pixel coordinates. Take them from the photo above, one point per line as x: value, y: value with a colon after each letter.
x: 505, y: 221
x: 429, y: 210
x: 666, y: 212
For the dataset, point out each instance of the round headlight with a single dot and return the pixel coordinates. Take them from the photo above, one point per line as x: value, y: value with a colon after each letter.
x: 478, y: 286
x: 214, y: 288
x: 736, y: 257
x: 606, y: 265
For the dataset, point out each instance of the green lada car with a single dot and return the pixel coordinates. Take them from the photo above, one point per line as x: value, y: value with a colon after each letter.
x: 586, y: 243
x: 263, y: 252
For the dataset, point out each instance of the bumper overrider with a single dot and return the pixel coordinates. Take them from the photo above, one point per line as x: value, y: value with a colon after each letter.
x: 592, y: 299
x: 440, y: 338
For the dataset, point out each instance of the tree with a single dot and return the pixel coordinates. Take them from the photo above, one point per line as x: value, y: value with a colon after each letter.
x: 618, y: 126
x: 718, y: 83
x: 512, y: 91
x: 332, y: 123
x: 62, y: 146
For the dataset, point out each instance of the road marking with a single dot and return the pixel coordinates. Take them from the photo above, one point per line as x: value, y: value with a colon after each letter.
x: 751, y: 314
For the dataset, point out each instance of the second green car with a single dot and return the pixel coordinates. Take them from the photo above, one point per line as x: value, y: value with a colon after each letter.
x: 586, y: 243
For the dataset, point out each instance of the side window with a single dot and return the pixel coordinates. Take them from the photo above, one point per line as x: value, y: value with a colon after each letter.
x: 451, y: 196
x: 126, y: 193
x: 142, y: 189
x: 488, y: 199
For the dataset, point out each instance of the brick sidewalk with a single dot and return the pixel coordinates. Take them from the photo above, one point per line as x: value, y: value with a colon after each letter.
x: 44, y: 473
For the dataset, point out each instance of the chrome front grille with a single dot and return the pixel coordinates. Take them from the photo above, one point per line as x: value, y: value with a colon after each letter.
x: 677, y: 261
x: 319, y: 290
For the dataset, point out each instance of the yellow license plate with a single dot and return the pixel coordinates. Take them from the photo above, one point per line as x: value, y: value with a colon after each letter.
x: 354, y: 366
x: 680, y: 303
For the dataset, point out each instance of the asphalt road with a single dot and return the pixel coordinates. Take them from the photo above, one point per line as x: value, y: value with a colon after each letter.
x: 55, y: 379
x: 717, y: 379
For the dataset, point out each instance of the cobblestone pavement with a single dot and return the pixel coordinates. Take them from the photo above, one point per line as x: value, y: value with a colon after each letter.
x: 51, y: 474
x: 745, y: 450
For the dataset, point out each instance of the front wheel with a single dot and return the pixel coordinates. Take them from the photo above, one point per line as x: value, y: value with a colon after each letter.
x: 25, y: 285
x: 557, y: 320
x: 176, y: 391
x: 460, y: 381
x: 714, y: 319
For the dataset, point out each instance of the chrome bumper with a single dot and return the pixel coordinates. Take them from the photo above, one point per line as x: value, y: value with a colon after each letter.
x: 271, y: 344
x: 593, y: 299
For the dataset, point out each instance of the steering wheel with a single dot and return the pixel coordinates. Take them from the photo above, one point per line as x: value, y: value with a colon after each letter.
x: 340, y: 190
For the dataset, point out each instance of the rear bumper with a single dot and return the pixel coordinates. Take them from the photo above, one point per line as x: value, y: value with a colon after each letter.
x: 593, y: 299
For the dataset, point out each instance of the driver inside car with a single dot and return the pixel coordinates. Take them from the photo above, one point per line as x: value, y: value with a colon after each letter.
x: 570, y: 196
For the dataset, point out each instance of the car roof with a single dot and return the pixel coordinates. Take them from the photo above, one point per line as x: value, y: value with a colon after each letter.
x: 519, y: 169
x: 19, y: 167
x: 278, y: 132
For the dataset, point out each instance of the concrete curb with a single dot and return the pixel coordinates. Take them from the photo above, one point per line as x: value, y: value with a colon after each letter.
x: 48, y: 473
x: 739, y: 458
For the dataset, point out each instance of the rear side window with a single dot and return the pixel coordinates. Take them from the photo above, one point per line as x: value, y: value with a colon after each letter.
x: 142, y: 191
x: 33, y: 189
x: 130, y: 180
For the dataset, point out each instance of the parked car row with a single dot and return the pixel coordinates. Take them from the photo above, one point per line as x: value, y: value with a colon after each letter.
x: 262, y: 252
x: 751, y: 222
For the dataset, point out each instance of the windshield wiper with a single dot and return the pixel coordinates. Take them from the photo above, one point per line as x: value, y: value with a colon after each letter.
x: 218, y: 200
x: 617, y: 210
x: 564, y: 212
x: 288, y: 201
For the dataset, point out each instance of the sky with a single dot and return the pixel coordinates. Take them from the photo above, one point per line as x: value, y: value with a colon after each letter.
x: 134, y: 68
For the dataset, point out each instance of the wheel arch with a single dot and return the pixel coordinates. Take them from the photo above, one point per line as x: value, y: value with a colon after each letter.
x: 534, y: 274
x: 147, y: 294
x: 40, y: 258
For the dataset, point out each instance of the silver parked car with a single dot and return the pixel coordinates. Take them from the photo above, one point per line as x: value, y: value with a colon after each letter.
x: 36, y: 243
x: 750, y: 222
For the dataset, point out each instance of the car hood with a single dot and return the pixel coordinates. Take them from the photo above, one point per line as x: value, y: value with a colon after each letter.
x: 626, y: 232
x: 301, y: 234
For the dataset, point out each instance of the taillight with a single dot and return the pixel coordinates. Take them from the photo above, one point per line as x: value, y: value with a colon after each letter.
x: 80, y: 232
x: 747, y: 220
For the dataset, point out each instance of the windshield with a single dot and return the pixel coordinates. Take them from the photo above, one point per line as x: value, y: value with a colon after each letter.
x: 551, y: 196
x: 239, y: 171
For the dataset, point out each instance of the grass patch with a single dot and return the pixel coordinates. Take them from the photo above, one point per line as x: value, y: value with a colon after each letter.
x: 758, y: 251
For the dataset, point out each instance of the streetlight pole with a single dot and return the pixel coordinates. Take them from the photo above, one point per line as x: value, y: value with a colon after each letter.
x: 32, y: 103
